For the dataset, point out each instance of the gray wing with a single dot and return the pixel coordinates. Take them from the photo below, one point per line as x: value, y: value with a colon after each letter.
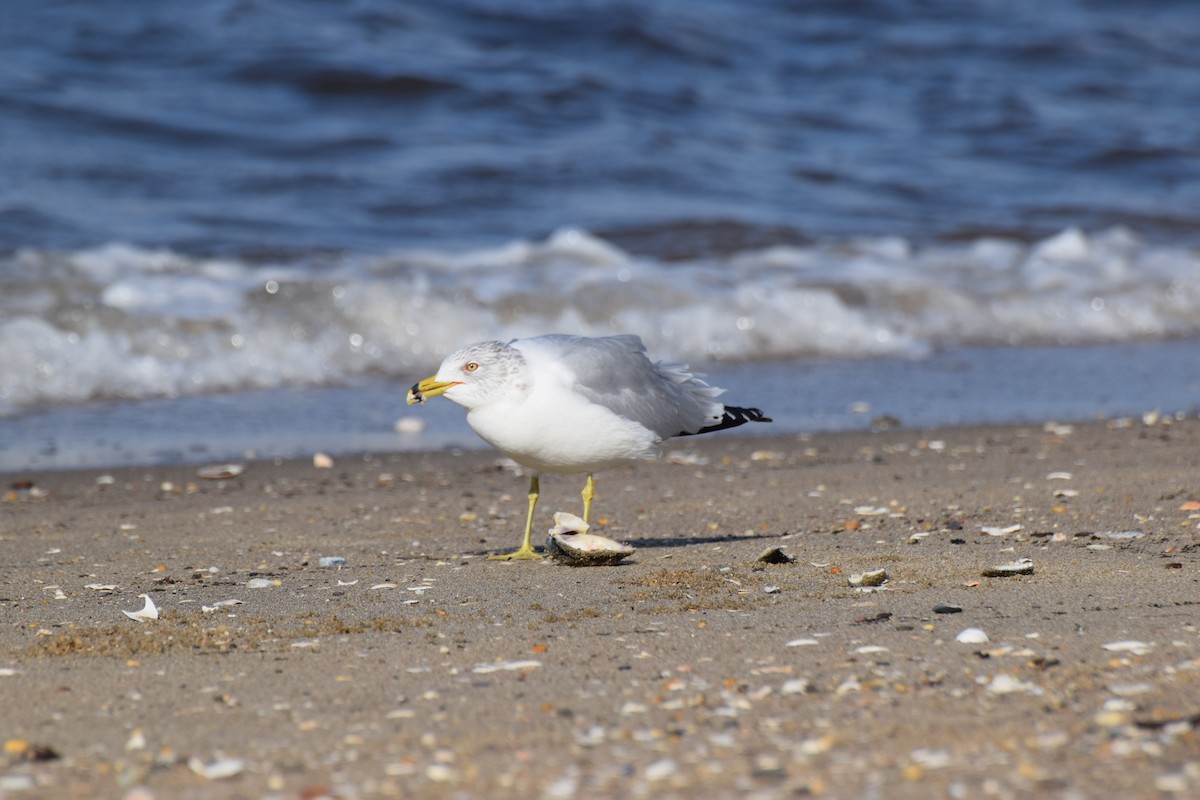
x: 614, y: 372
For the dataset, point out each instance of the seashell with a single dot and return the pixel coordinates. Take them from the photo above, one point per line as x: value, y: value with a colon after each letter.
x: 219, y: 472
x: 873, y: 578
x: 585, y: 549
x: 568, y: 523
x: 1023, y: 566
x: 147, y: 612
x: 972, y: 636
x: 218, y: 770
x: 775, y: 555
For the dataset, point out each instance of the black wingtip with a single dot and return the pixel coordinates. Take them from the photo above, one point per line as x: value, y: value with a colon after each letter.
x: 733, y: 417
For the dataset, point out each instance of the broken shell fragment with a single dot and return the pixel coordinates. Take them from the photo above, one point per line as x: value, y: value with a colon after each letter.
x: 217, y: 770
x: 147, y: 612
x: 1022, y: 566
x: 775, y: 555
x: 873, y: 578
x: 570, y: 543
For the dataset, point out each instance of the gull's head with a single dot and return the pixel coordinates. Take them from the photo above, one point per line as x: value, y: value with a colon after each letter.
x: 473, y: 375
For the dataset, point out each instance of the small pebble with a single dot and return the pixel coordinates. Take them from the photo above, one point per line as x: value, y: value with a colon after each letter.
x: 945, y: 609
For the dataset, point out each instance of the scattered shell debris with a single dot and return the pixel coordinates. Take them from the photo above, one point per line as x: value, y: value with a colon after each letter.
x: 875, y: 577
x: 1129, y: 646
x: 147, y: 612
x: 1005, y: 531
x: 1022, y: 566
x: 262, y: 583
x: 322, y: 461
x: 218, y: 472
x: 331, y: 561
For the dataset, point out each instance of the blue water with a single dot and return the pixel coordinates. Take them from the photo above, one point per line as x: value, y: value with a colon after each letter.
x: 269, y: 126
x: 212, y: 209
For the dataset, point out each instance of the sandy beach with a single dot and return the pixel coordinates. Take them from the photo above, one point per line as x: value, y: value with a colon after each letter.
x: 418, y: 668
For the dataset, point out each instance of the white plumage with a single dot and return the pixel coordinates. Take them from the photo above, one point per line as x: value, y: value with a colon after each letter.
x: 561, y: 403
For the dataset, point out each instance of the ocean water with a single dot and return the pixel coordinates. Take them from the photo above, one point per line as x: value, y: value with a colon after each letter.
x: 280, y: 214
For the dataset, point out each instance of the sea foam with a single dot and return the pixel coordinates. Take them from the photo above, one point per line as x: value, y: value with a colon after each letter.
x: 126, y: 322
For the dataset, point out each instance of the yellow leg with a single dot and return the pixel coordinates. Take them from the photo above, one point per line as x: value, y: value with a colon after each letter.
x: 589, y: 492
x: 525, y: 551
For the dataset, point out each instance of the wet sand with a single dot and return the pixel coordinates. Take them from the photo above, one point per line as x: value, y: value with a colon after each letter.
x: 421, y: 669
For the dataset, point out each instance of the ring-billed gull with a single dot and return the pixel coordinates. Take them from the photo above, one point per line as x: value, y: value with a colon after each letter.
x: 575, y: 404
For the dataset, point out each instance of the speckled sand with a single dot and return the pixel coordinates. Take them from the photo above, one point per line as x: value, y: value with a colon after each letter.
x: 420, y: 669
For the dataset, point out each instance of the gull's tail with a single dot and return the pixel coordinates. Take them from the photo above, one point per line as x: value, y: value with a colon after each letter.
x: 732, y: 418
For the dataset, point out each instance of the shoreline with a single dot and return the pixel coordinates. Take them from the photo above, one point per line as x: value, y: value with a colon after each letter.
x: 954, y: 387
x: 419, y: 668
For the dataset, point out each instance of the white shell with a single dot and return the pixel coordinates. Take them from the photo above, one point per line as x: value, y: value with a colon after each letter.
x: 1022, y: 566
x: 147, y: 612
x: 568, y: 523
x: 219, y: 472
x: 873, y: 578
x: 971, y: 636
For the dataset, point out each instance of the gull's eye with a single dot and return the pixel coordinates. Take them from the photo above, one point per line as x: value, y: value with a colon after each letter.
x: 471, y: 366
